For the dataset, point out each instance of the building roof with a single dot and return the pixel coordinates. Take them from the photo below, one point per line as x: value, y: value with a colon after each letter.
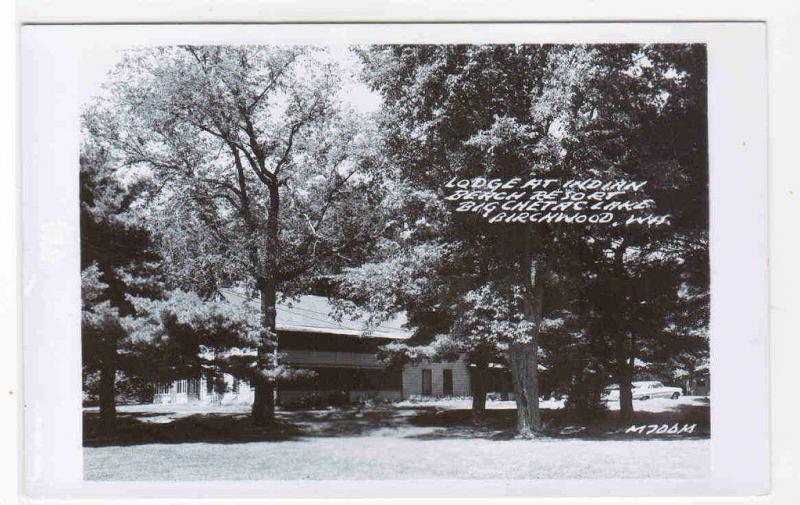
x: 314, y: 314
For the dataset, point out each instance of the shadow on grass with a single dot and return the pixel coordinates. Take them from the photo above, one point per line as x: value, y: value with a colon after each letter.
x: 352, y: 421
x: 561, y: 424
x: 210, y: 428
x: 134, y: 428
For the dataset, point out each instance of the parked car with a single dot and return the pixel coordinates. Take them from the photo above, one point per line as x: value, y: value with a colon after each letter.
x: 644, y: 390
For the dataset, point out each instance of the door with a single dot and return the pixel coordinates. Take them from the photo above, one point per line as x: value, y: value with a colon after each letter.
x: 447, y: 382
x: 193, y: 389
x: 427, y: 382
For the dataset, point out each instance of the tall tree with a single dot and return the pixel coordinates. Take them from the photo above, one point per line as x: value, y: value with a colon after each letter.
x: 562, y: 112
x: 256, y: 164
x: 648, y: 122
x: 117, y: 261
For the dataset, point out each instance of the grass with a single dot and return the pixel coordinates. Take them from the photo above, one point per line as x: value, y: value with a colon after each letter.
x: 390, y: 457
x: 387, y: 442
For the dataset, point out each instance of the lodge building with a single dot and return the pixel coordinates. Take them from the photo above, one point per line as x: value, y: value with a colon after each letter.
x: 342, y: 355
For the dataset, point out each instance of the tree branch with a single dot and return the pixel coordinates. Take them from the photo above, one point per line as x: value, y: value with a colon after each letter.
x: 285, y: 158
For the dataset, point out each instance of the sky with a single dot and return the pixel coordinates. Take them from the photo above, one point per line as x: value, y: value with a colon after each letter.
x: 101, y: 59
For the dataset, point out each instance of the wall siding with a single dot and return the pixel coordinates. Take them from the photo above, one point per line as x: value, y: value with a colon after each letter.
x: 302, y: 358
x: 291, y: 398
x: 412, y: 378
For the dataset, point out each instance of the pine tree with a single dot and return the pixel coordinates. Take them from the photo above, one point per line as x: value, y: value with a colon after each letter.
x: 117, y: 261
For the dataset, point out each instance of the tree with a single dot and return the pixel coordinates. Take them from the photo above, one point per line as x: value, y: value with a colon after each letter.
x: 466, y: 111
x: 256, y: 165
x: 116, y: 261
x: 661, y: 319
x: 564, y: 112
x: 648, y: 121
x: 101, y: 333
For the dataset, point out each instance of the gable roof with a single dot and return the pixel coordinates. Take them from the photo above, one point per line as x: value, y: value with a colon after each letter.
x: 312, y: 313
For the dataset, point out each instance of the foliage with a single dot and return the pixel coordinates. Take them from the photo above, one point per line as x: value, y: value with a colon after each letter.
x: 185, y: 335
x: 566, y: 112
x: 116, y: 262
x: 100, y: 321
x: 129, y: 389
x: 214, y: 129
x: 255, y: 169
x: 245, y: 168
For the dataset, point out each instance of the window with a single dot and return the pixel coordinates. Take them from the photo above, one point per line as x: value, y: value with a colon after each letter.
x: 193, y: 388
x: 447, y: 382
x: 427, y: 382
x: 162, y: 389
x: 209, y: 384
x: 235, y: 385
x: 180, y: 387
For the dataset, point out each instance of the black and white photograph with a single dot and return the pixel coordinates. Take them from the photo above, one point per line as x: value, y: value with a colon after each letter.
x: 394, y: 260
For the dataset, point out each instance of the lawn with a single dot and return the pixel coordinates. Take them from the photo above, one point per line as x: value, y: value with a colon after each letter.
x: 403, y: 441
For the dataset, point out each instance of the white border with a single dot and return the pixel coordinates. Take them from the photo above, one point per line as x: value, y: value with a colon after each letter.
x: 51, y: 72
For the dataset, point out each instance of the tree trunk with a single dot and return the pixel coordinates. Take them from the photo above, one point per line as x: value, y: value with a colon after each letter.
x: 524, y: 355
x: 263, y: 411
x: 624, y: 378
x: 622, y: 354
x: 479, y: 379
x: 523, y: 358
x: 108, y: 377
